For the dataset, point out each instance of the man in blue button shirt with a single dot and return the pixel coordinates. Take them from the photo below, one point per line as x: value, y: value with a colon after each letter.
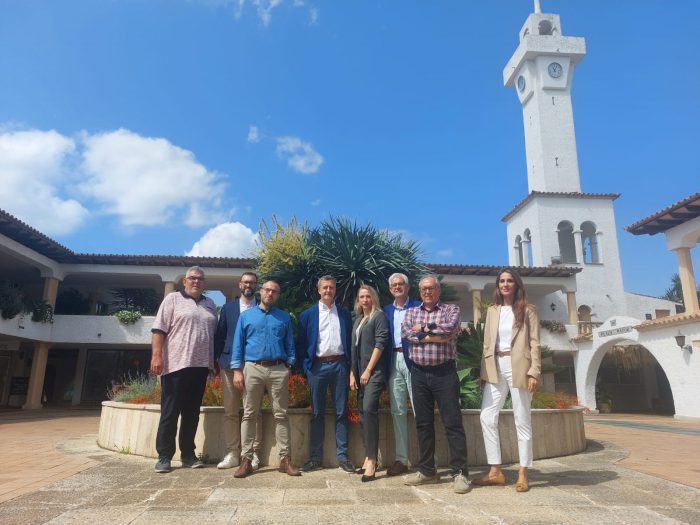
x: 263, y: 352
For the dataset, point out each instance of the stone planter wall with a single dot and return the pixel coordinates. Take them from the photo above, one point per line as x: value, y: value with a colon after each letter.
x: 131, y: 429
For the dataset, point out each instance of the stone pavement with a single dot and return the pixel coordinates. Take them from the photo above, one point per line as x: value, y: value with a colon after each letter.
x: 590, y: 487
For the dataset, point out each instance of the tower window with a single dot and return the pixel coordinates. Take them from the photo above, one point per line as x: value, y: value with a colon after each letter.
x: 567, y: 248
x: 545, y: 27
x: 589, y: 239
x: 518, y: 251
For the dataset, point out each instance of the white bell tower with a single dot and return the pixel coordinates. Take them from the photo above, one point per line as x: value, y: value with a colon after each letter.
x: 542, y: 71
x: 556, y: 223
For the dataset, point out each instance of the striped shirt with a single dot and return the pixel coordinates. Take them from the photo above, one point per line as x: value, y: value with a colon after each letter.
x: 447, y: 321
x: 189, y: 328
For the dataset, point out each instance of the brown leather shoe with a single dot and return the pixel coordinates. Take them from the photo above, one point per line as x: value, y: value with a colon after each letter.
x: 396, y: 469
x: 287, y: 467
x: 486, y: 481
x: 244, y: 469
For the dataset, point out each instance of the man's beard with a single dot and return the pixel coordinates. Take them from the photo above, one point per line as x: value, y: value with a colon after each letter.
x: 248, y: 292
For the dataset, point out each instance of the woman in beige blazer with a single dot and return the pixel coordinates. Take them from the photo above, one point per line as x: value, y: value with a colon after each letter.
x: 511, y: 361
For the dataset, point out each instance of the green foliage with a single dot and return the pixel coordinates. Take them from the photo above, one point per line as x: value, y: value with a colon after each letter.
x: 137, y: 390
x: 548, y: 368
x: 72, y: 302
x: 11, y: 300
x: 553, y: 326
x: 42, y: 312
x: 127, y: 316
x: 470, y: 347
x: 143, y: 300
x: 296, y: 256
x: 675, y: 293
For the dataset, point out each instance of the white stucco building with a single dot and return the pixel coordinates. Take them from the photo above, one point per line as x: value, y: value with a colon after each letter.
x: 558, y: 224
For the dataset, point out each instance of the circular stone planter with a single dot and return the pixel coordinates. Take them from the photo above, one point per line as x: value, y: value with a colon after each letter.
x: 131, y: 429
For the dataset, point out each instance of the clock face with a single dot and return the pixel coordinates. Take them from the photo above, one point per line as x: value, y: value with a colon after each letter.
x: 555, y: 70
x: 521, y: 83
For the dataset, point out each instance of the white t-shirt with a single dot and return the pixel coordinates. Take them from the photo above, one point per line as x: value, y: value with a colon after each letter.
x: 505, y: 328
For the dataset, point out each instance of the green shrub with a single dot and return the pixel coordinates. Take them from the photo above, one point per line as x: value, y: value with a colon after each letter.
x: 127, y: 316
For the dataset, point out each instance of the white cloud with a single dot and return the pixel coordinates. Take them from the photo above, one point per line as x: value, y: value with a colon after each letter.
x: 230, y: 239
x: 444, y: 253
x: 264, y: 8
x: 315, y: 202
x: 33, y: 169
x: 253, y: 134
x: 301, y: 156
x: 146, y: 181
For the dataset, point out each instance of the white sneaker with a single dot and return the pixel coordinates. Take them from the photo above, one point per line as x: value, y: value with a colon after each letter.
x: 255, y: 462
x: 460, y: 483
x: 230, y: 460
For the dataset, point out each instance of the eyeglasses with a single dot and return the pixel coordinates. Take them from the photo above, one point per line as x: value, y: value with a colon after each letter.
x: 271, y: 291
x: 396, y: 285
x: 249, y: 283
x: 194, y: 279
x: 428, y: 288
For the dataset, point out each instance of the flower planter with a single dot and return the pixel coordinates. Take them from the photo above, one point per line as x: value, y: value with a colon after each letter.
x: 131, y: 428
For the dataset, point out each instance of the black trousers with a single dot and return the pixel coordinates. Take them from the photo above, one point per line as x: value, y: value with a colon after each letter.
x: 368, y: 406
x: 181, y: 396
x: 439, y: 384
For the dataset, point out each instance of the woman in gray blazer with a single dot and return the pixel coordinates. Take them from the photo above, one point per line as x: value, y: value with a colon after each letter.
x: 370, y: 335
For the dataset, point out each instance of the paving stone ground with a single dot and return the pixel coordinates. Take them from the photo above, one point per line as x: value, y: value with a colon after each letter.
x: 591, y: 487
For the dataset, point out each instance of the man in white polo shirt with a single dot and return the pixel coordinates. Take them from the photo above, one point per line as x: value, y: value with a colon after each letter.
x: 182, y: 354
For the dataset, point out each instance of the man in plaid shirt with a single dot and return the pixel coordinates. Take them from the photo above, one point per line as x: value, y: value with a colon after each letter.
x: 431, y: 330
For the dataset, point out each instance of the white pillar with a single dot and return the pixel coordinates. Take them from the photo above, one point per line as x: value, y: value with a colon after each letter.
x: 169, y: 288
x: 685, y: 272
x: 599, y: 240
x: 476, y: 305
x: 525, y: 244
x: 571, y: 307
x: 578, y: 245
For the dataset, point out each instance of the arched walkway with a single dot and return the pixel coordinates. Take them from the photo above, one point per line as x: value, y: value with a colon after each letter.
x: 643, y: 375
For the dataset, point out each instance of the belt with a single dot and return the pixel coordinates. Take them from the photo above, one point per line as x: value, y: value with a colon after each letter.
x: 503, y: 354
x: 328, y: 358
x: 398, y: 349
x: 263, y: 362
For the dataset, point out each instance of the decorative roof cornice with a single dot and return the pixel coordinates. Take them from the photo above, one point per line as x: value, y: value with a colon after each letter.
x: 557, y: 194
x: 673, y: 215
x: 670, y: 320
x: 490, y: 270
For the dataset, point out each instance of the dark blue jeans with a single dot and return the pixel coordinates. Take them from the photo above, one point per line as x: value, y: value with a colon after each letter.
x: 181, y: 396
x: 439, y: 384
x: 321, y: 377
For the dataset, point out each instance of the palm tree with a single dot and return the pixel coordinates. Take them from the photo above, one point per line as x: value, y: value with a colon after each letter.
x: 352, y: 254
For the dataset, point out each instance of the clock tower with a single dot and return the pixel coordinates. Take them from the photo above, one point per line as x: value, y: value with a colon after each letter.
x: 542, y: 71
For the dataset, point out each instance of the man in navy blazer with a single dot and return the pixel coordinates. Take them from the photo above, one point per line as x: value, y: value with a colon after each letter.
x: 399, y: 369
x: 324, y: 351
x: 223, y: 346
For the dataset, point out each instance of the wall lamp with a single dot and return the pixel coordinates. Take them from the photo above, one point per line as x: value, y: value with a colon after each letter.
x: 680, y: 341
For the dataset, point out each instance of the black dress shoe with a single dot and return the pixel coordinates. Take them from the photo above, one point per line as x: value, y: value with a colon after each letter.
x: 311, y: 465
x: 346, y: 466
x: 359, y: 471
x: 365, y: 478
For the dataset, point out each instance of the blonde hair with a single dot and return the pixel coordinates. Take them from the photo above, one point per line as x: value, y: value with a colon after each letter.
x: 375, y: 300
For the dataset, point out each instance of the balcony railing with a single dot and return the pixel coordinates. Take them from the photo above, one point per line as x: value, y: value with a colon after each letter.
x: 587, y: 327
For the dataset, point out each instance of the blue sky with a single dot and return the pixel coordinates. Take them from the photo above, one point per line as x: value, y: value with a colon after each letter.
x: 174, y: 126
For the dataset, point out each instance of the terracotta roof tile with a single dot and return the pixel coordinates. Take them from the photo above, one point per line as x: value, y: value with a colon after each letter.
x: 558, y: 194
x: 673, y: 215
